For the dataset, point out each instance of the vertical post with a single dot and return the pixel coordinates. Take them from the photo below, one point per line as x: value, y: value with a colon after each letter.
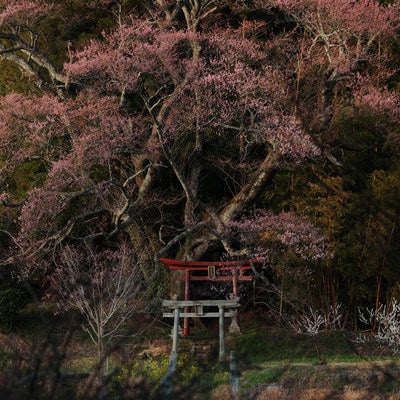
x: 167, y: 381
x: 175, y: 331
x: 234, y: 375
x: 234, y: 328
x: 186, y: 309
x: 234, y: 282
x: 221, y: 334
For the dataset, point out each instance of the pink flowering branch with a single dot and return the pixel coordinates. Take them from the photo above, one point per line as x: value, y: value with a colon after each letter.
x: 344, y: 30
x: 294, y: 233
x: 24, y: 10
x: 379, y: 100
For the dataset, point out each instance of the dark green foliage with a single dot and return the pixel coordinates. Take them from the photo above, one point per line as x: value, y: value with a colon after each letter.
x: 12, y: 300
x: 27, y: 176
x: 13, y: 80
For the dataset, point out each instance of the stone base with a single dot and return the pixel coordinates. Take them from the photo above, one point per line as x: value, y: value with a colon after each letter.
x: 234, y: 328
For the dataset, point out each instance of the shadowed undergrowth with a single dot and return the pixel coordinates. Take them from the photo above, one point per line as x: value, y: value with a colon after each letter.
x: 45, y: 357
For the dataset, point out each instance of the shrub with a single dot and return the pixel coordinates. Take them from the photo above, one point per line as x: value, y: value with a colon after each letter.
x: 12, y: 300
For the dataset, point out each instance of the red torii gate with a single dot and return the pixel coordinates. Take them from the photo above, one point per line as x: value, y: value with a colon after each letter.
x: 237, y: 271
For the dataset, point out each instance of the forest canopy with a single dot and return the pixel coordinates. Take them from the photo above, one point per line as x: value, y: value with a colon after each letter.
x: 202, y: 130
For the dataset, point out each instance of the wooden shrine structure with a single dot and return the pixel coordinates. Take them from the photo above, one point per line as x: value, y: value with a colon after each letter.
x: 175, y: 308
x: 212, y: 271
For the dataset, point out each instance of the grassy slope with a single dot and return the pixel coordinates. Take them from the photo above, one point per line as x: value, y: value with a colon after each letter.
x: 269, y: 357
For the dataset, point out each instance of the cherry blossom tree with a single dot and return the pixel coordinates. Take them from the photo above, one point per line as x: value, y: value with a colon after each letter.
x: 106, y: 287
x: 313, y: 322
x: 209, y: 89
x: 153, y: 96
x: 284, y: 245
x: 163, y: 130
x: 385, y: 325
x: 342, y: 32
x: 336, y: 41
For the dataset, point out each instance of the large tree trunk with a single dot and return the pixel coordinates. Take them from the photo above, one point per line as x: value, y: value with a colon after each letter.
x: 252, y: 189
x: 243, y: 199
x: 145, y: 243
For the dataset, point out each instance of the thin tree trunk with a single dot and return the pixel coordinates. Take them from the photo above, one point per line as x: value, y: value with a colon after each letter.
x: 380, y: 275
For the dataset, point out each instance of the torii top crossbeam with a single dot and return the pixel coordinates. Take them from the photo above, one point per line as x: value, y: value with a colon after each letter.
x: 211, y: 271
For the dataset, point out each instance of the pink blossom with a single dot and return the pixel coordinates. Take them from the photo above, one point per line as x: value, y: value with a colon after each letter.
x: 293, y: 232
x: 380, y: 100
x: 23, y: 9
x: 341, y: 31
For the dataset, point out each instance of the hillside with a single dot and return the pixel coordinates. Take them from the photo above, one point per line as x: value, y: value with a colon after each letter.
x: 273, y: 363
